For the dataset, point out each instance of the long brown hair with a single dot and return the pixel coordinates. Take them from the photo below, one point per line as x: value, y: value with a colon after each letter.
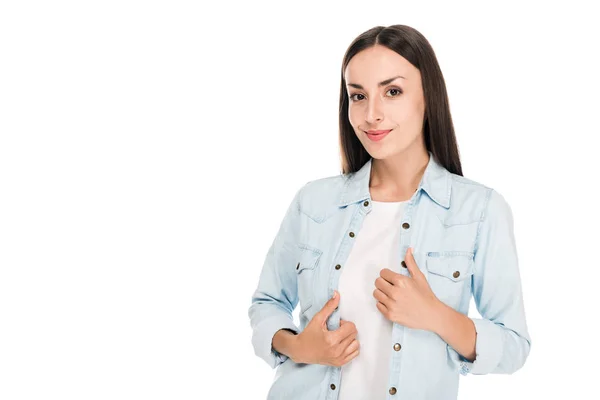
x: 438, y: 129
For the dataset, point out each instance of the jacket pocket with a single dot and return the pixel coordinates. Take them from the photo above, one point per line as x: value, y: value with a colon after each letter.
x: 449, y: 274
x: 305, y: 270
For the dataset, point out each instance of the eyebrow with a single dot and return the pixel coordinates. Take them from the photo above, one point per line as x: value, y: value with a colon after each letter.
x: 382, y: 83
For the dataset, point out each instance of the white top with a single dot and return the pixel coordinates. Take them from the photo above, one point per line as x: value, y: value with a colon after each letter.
x: 376, y: 247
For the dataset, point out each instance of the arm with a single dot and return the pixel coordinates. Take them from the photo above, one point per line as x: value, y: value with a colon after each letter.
x: 456, y: 329
x: 283, y: 343
x: 502, y: 342
x: 276, y: 296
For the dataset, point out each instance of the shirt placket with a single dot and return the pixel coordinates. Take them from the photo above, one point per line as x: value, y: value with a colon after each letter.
x: 333, y: 323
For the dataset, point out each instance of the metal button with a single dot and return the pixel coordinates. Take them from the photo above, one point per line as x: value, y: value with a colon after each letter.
x: 397, y: 346
x: 351, y: 234
x: 338, y: 266
x: 392, y: 390
x: 403, y: 264
x: 332, y: 386
x: 405, y: 225
x: 366, y: 203
x: 456, y: 274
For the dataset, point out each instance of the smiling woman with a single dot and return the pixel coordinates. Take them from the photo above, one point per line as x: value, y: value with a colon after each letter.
x: 400, y: 320
x: 399, y: 98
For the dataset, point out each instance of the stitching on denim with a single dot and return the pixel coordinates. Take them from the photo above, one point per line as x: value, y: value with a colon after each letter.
x: 482, y: 219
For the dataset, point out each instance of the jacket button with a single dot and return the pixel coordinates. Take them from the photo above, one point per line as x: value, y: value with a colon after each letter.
x: 397, y: 347
x: 338, y: 266
x: 392, y: 390
x: 366, y: 203
x: 298, y: 266
x: 456, y: 274
x: 405, y: 225
x: 332, y: 386
x: 403, y: 264
x: 351, y: 234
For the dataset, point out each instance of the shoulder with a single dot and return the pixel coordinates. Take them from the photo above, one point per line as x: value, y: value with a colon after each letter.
x: 326, y: 187
x: 319, y: 198
x: 466, y: 185
x: 482, y: 201
x: 493, y: 203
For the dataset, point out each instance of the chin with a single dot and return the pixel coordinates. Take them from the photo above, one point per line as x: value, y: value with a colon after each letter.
x: 390, y: 151
x: 379, y: 154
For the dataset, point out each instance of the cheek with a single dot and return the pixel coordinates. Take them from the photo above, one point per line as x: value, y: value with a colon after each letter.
x: 401, y: 113
x: 354, y: 116
x: 416, y: 111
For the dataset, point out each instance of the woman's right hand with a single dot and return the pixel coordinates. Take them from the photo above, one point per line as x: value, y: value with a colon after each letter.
x: 318, y: 345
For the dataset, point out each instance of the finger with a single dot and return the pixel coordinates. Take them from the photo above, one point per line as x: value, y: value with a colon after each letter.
x: 351, y: 349
x: 390, y: 276
x: 351, y: 357
x: 349, y: 339
x: 344, y: 331
x: 328, y: 309
x: 412, y: 266
x: 384, y: 286
x: 380, y: 296
x: 383, y: 309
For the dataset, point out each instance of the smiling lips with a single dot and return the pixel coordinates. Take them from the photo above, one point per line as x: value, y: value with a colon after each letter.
x: 375, y: 132
x: 377, y: 135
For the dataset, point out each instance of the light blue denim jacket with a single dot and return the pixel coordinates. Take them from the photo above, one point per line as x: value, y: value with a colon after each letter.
x: 463, y: 240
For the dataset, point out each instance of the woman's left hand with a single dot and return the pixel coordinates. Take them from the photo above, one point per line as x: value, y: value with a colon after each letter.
x: 406, y: 300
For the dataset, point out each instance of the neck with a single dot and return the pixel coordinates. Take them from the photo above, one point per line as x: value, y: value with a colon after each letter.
x: 398, y: 177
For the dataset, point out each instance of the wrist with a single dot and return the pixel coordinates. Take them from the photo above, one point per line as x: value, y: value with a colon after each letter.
x: 439, y: 310
x: 284, y: 342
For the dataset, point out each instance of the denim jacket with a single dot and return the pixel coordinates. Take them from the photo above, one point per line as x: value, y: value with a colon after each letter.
x: 463, y: 240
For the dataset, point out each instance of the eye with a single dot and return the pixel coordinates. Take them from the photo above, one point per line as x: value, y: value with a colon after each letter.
x: 397, y: 90
x: 351, y: 97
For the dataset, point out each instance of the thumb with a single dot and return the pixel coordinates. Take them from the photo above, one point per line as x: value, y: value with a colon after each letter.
x: 329, y: 307
x: 412, y: 266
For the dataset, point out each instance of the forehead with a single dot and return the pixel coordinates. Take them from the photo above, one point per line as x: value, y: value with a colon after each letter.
x: 377, y: 63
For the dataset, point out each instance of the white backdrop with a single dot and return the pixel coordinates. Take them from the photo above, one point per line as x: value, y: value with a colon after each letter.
x: 148, y: 151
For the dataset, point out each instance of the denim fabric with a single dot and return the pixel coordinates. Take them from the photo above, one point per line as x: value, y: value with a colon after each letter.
x: 463, y: 240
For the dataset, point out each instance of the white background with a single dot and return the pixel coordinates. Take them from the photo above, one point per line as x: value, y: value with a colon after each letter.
x: 148, y: 151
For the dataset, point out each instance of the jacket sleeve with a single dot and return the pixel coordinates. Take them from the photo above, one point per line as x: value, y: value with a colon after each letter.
x: 276, y: 296
x: 503, y: 342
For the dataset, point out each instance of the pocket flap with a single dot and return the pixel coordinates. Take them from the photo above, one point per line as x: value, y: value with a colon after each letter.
x: 309, y: 258
x: 455, y: 267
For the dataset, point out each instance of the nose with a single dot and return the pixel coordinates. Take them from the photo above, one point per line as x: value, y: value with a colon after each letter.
x: 374, y: 112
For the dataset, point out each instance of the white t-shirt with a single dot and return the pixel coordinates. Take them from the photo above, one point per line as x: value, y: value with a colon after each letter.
x: 376, y: 247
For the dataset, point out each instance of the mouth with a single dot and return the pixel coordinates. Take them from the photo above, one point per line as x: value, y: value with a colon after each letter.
x: 377, y: 135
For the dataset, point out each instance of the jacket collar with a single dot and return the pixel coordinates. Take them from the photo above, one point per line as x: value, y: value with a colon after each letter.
x: 436, y: 182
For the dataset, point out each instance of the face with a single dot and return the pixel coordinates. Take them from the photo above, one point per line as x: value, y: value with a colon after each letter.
x: 381, y: 100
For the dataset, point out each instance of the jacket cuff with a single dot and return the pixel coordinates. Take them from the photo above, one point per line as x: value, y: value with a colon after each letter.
x: 262, y: 339
x: 488, y: 349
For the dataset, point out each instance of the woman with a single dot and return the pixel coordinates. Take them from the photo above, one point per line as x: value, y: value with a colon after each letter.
x: 401, y: 238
